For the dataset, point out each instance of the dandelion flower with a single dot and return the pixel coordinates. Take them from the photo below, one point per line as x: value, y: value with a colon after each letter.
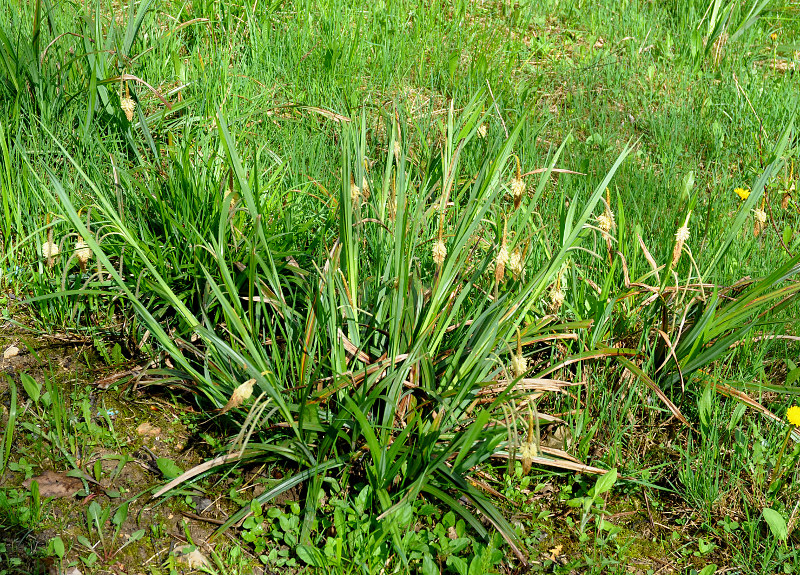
x: 439, y: 252
x: 742, y: 193
x: 773, y: 36
x: 128, y: 106
x: 793, y: 415
x: 519, y: 365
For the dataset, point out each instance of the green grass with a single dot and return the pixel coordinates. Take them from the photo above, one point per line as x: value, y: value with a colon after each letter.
x: 271, y: 213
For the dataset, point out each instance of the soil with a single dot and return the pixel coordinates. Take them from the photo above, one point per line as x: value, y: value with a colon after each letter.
x: 117, y: 437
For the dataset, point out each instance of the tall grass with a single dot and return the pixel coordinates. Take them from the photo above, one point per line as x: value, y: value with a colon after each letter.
x: 352, y: 310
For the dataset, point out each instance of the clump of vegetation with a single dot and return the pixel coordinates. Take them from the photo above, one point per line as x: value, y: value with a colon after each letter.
x: 476, y: 282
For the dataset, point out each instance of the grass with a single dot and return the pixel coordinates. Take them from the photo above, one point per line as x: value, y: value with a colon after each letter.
x: 472, y: 276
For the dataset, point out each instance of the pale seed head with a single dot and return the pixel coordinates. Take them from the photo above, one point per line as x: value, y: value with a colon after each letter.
x: 50, y: 250
x: 515, y: 263
x: 482, y: 130
x: 128, y: 106
x: 556, y: 299
x: 605, y: 222
x: 519, y: 365
x: 760, y: 215
x: 355, y: 193
x: 517, y: 188
x: 680, y: 238
x: 83, y: 252
x: 500, y: 263
x: 439, y: 252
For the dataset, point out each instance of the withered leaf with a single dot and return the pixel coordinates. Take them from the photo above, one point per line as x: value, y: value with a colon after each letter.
x: 53, y: 484
x: 241, y: 393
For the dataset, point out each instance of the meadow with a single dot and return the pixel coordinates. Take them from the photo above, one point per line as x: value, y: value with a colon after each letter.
x: 399, y: 287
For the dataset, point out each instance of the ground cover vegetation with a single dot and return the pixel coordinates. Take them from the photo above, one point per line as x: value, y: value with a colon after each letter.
x: 438, y: 287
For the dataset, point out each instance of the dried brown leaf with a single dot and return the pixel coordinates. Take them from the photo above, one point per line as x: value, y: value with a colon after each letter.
x: 54, y: 484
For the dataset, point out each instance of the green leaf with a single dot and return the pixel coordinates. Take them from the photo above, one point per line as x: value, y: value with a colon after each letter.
x: 708, y: 569
x: 32, y: 388
x: 457, y: 563
x: 121, y: 514
x: 428, y: 566
x: 777, y: 524
x: 58, y: 546
x: 792, y: 376
x: 168, y: 468
x: 605, y: 482
x: 311, y: 556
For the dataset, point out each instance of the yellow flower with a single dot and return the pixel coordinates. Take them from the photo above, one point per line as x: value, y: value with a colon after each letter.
x: 774, y: 36
x: 742, y: 193
x: 793, y: 415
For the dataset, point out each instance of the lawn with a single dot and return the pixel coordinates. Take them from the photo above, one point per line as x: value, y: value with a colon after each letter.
x: 399, y: 287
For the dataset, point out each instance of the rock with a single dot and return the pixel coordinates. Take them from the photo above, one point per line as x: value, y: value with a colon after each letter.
x: 11, y: 351
x: 191, y: 557
x: 146, y: 429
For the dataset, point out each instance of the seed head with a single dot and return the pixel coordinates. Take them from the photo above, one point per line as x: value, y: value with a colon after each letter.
x: 128, y: 106
x: 760, y: 215
x: 355, y: 193
x: 500, y: 263
x: 517, y: 190
x: 515, y: 263
x: 482, y: 129
x: 397, y: 150
x: 527, y: 451
x: 680, y: 238
x: 50, y: 250
x: 605, y: 222
x: 556, y: 299
x: 439, y: 252
x: 519, y: 365
x: 83, y: 252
